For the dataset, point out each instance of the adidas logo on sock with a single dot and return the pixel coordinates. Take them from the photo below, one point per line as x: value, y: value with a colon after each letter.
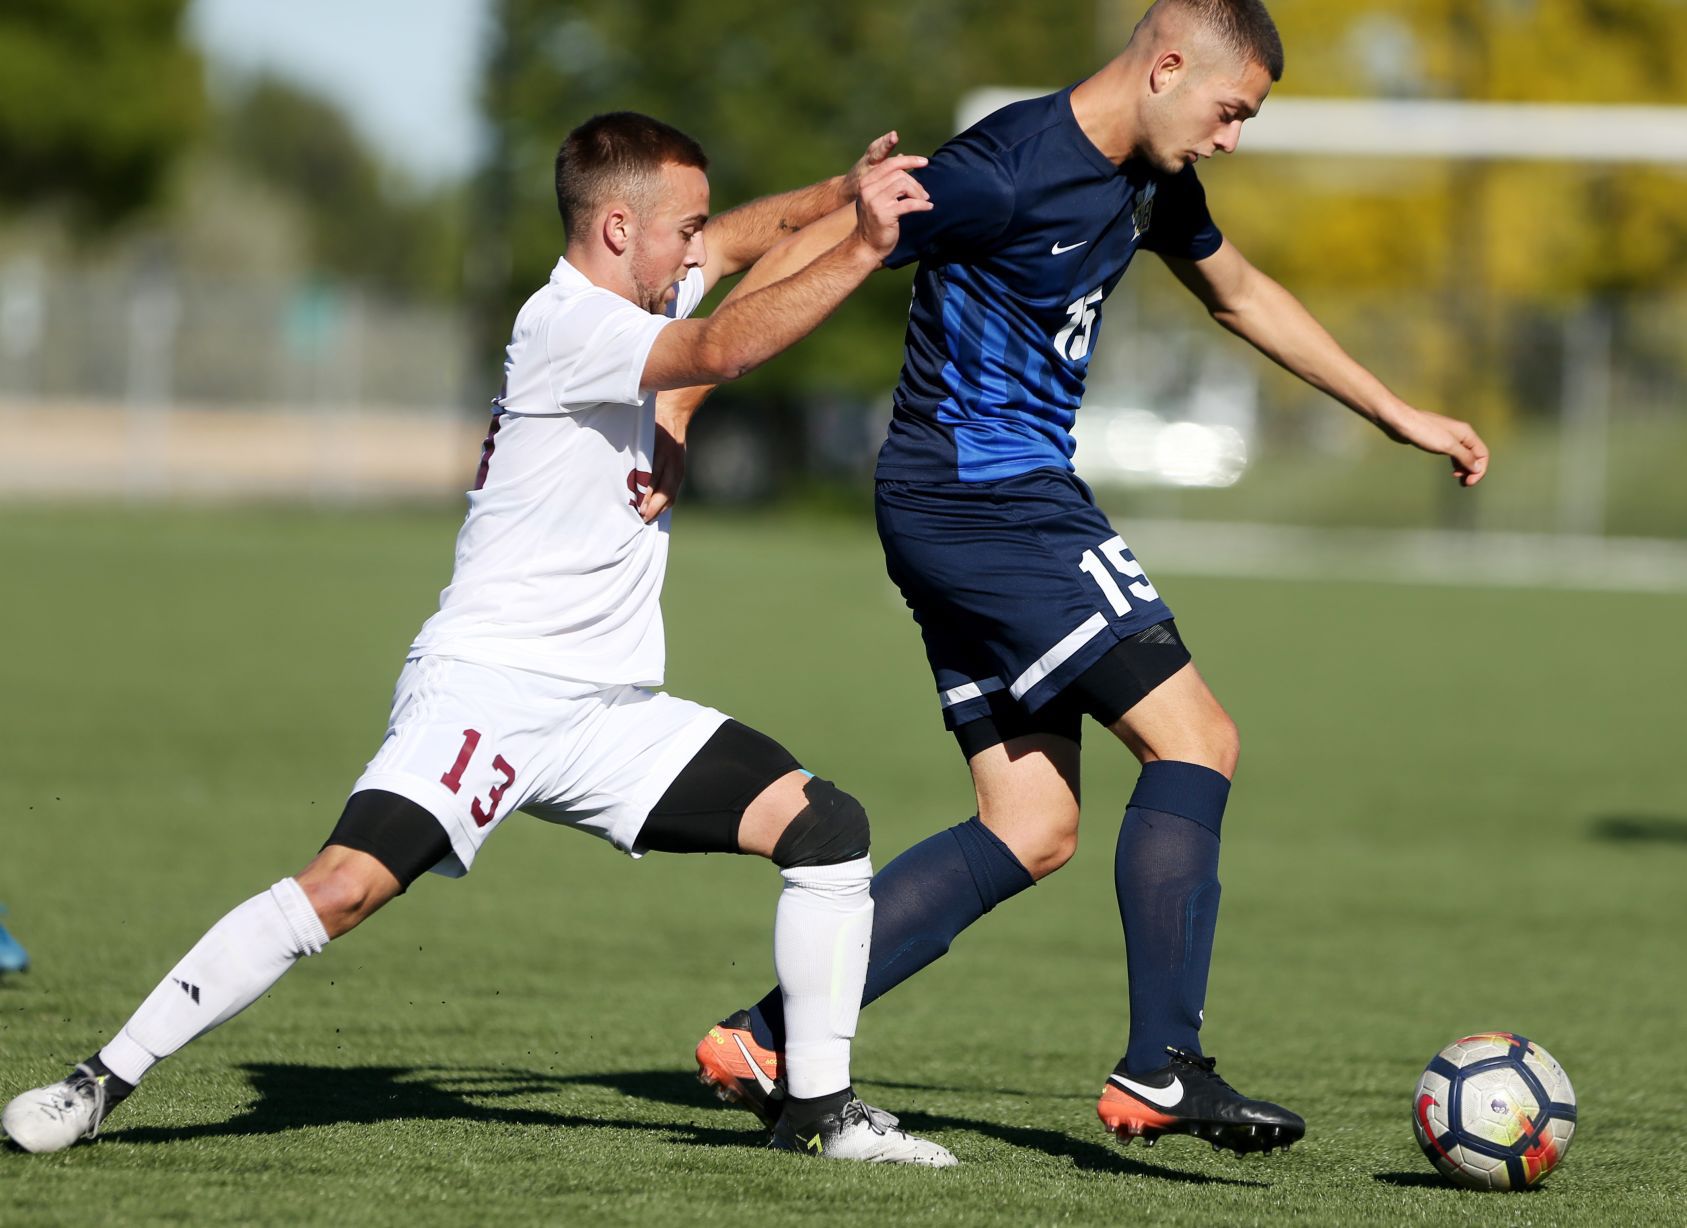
x: 191, y: 991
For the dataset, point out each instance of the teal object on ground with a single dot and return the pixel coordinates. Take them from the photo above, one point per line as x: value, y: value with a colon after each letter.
x: 13, y: 958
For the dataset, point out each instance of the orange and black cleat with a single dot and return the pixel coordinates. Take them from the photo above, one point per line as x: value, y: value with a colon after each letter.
x: 741, y: 1071
x: 1186, y: 1097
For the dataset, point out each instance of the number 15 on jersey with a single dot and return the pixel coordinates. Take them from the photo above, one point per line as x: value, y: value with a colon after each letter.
x: 1073, y: 341
x: 1116, y: 553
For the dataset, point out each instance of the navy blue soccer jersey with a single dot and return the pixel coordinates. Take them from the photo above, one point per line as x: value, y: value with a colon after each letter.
x: 1031, y: 230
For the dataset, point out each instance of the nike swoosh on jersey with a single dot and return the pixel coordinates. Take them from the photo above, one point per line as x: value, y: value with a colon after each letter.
x: 767, y: 1084
x: 1169, y: 1096
x: 1058, y: 250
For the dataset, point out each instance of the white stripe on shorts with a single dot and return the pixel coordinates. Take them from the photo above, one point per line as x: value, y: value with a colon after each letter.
x: 972, y: 690
x: 1057, y: 656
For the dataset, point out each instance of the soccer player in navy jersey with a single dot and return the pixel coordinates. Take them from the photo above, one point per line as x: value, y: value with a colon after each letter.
x: 1033, y: 610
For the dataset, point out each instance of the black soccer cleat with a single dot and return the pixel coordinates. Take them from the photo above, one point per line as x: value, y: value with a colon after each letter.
x: 1185, y: 1096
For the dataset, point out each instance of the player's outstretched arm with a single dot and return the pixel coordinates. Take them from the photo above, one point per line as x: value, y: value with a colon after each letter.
x: 1274, y: 322
x: 675, y: 407
x: 748, y: 331
x: 741, y: 236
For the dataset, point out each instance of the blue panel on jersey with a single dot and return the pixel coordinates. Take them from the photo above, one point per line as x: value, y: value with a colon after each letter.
x: 1031, y: 230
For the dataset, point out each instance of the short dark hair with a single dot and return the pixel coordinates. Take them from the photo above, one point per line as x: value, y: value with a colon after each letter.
x: 1244, y: 26
x: 617, y: 154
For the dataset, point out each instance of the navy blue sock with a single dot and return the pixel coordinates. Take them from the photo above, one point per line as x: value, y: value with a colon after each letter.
x: 1166, y: 874
x: 921, y: 901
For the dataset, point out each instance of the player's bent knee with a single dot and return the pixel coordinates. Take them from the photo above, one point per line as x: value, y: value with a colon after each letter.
x: 1049, y: 854
x: 346, y: 887
x: 831, y: 829
x: 1042, y: 838
x: 1226, y: 744
x: 1060, y: 851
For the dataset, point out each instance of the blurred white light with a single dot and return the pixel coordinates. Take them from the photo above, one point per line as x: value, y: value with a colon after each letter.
x: 1134, y: 447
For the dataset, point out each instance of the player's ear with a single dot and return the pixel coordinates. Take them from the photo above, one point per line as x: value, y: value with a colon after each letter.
x: 617, y: 229
x: 1168, y: 71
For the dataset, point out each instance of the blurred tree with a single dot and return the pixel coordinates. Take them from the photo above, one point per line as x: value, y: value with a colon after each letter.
x: 779, y: 94
x: 96, y: 100
x: 1548, y: 230
x: 362, y: 225
x: 1513, y: 246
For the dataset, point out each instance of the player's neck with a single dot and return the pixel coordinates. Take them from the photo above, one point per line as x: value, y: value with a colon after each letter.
x: 601, y: 270
x: 1106, y: 110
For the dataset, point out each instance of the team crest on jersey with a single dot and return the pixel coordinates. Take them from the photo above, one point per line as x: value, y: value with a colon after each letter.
x: 1144, y: 215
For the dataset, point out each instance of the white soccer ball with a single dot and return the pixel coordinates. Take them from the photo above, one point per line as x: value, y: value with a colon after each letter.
x: 1494, y: 1111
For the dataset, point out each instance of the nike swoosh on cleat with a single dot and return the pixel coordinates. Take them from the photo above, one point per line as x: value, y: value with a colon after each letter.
x: 1058, y: 250
x: 1166, y: 1097
x: 767, y: 1085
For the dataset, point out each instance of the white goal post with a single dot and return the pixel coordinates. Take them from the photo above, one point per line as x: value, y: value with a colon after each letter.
x: 1486, y: 131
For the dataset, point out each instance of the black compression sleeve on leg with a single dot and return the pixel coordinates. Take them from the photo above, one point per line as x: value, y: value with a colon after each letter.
x: 1129, y: 672
x: 701, y: 810
x: 395, y: 831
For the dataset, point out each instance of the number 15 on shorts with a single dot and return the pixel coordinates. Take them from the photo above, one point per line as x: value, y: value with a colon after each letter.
x: 1117, y: 564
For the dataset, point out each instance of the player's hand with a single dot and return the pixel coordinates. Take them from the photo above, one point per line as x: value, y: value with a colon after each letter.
x: 877, y: 152
x: 888, y: 192
x: 1458, y: 441
x: 667, y: 465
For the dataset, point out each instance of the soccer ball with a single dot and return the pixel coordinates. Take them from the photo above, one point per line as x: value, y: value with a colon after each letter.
x: 1494, y: 1111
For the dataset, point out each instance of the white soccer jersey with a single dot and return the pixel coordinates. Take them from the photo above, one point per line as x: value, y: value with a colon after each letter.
x: 555, y: 570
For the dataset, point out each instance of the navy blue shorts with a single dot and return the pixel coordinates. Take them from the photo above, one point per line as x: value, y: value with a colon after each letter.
x: 1019, y: 586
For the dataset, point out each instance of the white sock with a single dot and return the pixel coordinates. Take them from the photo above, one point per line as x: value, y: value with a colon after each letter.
x: 821, y: 933
x: 230, y: 968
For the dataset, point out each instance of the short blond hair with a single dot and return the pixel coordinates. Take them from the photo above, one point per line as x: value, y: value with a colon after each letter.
x: 1243, y: 26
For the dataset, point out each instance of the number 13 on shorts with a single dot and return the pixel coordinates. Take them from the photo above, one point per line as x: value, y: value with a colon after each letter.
x: 1117, y: 563
x: 453, y: 779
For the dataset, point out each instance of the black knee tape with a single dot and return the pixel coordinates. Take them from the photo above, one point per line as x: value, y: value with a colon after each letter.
x: 830, y: 830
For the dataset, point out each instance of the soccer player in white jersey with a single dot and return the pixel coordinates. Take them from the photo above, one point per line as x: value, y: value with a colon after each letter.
x: 531, y: 688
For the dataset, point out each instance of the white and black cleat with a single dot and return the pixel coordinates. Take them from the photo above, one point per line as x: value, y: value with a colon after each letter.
x: 59, y: 1115
x: 856, y: 1132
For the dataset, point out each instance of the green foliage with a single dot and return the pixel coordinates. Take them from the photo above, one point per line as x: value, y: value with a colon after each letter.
x: 1541, y: 231
x: 97, y: 98
x: 362, y: 225
x: 1506, y: 245
x: 780, y: 95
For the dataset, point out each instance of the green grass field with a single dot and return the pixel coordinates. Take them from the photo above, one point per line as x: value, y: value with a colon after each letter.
x: 1458, y: 810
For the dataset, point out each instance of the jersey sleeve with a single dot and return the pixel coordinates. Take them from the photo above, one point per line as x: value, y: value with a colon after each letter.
x: 597, y: 348
x: 1182, y: 227
x: 972, y: 202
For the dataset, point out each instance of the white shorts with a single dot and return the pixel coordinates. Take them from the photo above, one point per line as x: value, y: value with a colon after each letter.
x: 473, y: 743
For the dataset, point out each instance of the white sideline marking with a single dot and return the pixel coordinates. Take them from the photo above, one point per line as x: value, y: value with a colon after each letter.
x: 1475, y: 560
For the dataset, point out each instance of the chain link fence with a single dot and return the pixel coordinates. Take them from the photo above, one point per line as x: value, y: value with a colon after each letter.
x: 341, y: 393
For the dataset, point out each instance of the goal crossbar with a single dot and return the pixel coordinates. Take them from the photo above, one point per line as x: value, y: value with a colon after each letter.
x: 1487, y: 131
